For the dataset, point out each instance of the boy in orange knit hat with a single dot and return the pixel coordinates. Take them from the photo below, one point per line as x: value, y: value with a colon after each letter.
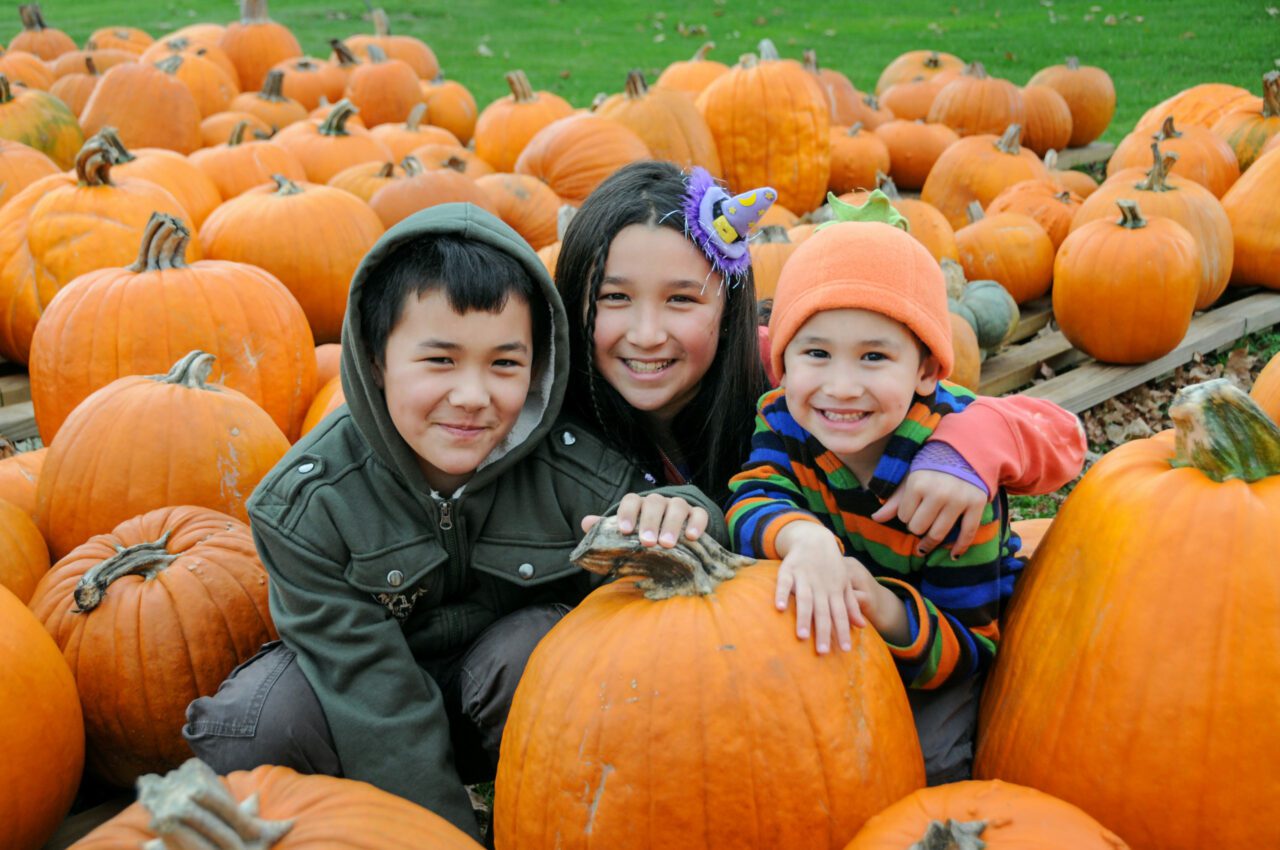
x: 862, y: 340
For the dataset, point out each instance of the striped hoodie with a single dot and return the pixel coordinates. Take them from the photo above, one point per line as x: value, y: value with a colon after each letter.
x: 953, y: 606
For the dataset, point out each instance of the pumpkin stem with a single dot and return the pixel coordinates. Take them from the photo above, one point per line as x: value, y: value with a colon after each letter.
x: 254, y: 12
x: 521, y: 89
x: 976, y: 70
x: 1271, y: 94
x: 1010, y: 142
x: 598, y: 101
x: 771, y: 234
x: 412, y: 166
x: 636, y: 87
x: 335, y: 123
x: 273, y: 86
x: 974, y: 212
x: 691, y: 568
x: 768, y: 51
x: 871, y: 101
x: 1063, y: 197
x: 376, y: 54
x: 1130, y: 216
x: 285, y: 186
x: 747, y: 61
x: 1158, y: 177
x: 952, y: 835
x: 700, y: 55
x: 346, y: 58
x: 564, y: 216
x: 93, y: 163
x: 415, y: 117
x: 381, y: 23
x: 1221, y: 431
x: 89, y: 66
x: 1051, y: 159
x: 810, y: 60
x: 1167, y: 130
x: 455, y: 163
x: 237, y: 134
x: 953, y: 274
x: 32, y: 18
x: 6, y: 90
x: 1073, y: 63
x: 178, y: 44
x: 855, y: 129
x: 191, y: 799
x: 387, y: 171
x: 164, y: 244
x: 144, y: 559
x: 112, y: 138
x: 192, y: 371
x: 885, y: 184
x: 933, y: 60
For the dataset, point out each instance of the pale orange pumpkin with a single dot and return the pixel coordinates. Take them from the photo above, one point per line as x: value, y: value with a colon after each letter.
x: 255, y: 44
x: 240, y: 163
x: 38, y: 37
x: 194, y: 190
x: 270, y: 104
x: 505, y: 126
x: 218, y: 128
x: 979, y: 168
x: 975, y: 103
x: 524, y: 202
x: 770, y: 249
x: 326, y: 147
x: 187, y: 46
x: 20, y: 166
x: 24, y: 556
x: 1010, y: 248
x: 692, y: 75
x: 328, y: 399
x: 857, y: 157
x: 666, y: 121
x: 74, y: 88
x: 911, y: 100
x: 131, y: 39
x: 413, y: 51
x: 149, y: 108
x: 40, y: 121
x: 918, y: 63
x: 1202, y: 104
x: 914, y: 147
x: 1052, y: 206
x: 209, y: 83
x: 1090, y: 95
x: 1248, y: 129
x: 451, y: 106
x: 26, y: 69
x: 421, y: 188
x: 384, y: 90
x: 366, y: 178
x: 175, y: 439
x: 1202, y: 156
x: 1048, y: 124
x: 18, y: 477
x: 1255, y: 223
x: 403, y: 139
x: 309, y: 80
x: 575, y: 154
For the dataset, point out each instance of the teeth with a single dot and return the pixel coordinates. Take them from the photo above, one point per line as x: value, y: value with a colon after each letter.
x: 645, y: 366
x: 844, y: 417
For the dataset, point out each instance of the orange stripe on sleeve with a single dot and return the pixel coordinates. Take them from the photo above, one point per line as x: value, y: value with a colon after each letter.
x: 924, y: 634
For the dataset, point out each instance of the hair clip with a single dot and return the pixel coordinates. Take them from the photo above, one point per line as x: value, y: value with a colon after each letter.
x: 720, y: 224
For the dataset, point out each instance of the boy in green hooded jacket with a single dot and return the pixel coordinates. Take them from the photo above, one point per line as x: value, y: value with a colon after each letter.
x: 417, y: 541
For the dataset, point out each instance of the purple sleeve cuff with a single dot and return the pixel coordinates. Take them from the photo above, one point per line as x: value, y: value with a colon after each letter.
x: 940, y: 457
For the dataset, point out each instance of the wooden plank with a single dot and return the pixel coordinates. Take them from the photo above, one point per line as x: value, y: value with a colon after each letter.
x: 1034, y: 315
x: 1087, y: 155
x: 1018, y: 365
x: 1094, y: 382
x: 14, y: 388
x: 18, y: 421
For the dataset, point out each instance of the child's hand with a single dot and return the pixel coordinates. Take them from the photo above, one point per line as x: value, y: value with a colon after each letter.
x: 930, y: 502
x: 881, y: 608
x: 657, y: 519
x: 813, y: 569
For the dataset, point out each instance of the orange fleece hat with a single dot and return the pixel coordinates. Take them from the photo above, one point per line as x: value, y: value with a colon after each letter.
x: 869, y: 266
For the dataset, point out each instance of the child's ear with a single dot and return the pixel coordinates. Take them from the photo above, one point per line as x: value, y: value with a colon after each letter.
x: 376, y: 370
x: 928, y: 378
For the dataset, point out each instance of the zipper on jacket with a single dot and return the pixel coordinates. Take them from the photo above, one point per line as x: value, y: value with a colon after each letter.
x: 446, y: 515
x: 455, y: 574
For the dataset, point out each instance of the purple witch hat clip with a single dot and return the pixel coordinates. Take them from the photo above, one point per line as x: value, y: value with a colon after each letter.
x: 721, y: 223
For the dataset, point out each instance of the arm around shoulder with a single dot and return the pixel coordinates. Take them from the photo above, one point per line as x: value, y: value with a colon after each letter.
x: 1025, y: 445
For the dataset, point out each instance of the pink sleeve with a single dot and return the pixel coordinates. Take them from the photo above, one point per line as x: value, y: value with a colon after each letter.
x: 1026, y: 445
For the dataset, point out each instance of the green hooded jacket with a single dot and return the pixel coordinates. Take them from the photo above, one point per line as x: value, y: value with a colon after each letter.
x: 373, y: 574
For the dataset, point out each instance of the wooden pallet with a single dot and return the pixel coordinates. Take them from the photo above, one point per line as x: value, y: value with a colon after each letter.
x: 1091, y: 382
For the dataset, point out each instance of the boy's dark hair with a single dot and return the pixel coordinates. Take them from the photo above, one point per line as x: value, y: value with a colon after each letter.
x: 715, y: 427
x: 473, y: 275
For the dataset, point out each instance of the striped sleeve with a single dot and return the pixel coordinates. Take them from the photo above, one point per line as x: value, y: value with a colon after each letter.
x: 954, y: 610
x: 767, y: 495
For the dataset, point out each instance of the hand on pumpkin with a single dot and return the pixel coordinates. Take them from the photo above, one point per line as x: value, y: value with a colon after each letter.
x: 880, y: 605
x: 930, y: 503
x: 658, y: 519
x: 813, y: 570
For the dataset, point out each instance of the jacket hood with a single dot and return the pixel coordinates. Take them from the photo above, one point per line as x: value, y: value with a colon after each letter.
x: 365, y: 398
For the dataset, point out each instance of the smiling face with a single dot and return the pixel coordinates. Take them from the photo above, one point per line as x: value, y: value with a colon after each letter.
x: 455, y: 383
x: 657, y: 323
x: 850, y: 379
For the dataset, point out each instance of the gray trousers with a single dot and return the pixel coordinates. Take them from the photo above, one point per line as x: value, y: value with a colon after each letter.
x: 946, y: 720
x: 267, y: 713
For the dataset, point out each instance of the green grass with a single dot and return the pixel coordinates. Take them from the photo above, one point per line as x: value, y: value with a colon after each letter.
x: 1151, y: 49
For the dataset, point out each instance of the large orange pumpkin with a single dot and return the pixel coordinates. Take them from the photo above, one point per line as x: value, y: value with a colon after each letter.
x: 336, y: 228
x: 255, y: 44
x: 281, y: 809
x: 20, y: 166
x: 169, y: 170
x: 979, y: 168
x: 1081, y: 705
x: 527, y: 204
x: 994, y: 815
x: 1202, y: 156
x: 914, y: 146
x: 1048, y: 124
x: 1190, y: 204
x: 180, y: 45
x: 40, y: 121
x: 131, y: 39
x: 64, y: 225
x: 1123, y: 291
x: 403, y: 138
x: 212, y: 86
x: 1255, y: 223
x: 38, y: 37
x: 917, y: 63
x: 771, y: 121
x: 450, y: 106
x: 1010, y: 248
x: 770, y: 249
x: 383, y: 90
x: 75, y: 88
x: 419, y: 188
x: 151, y: 313
x: 308, y: 80
x: 1090, y: 95
x: 666, y: 121
x: 692, y: 75
x: 24, y: 556
x: 1053, y: 207
x: 1248, y: 129
x: 18, y: 476
x: 717, y: 681
x: 41, y: 730
x: 505, y: 126
x: 151, y: 616
x: 858, y: 157
x: 149, y: 108
x: 967, y: 365
x: 146, y: 441
x: 1201, y: 104
x: 420, y: 57
x: 328, y: 399
x: 270, y: 103
x: 976, y: 104
x: 328, y: 146
x: 575, y: 154
x: 25, y: 69
x: 238, y: 165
